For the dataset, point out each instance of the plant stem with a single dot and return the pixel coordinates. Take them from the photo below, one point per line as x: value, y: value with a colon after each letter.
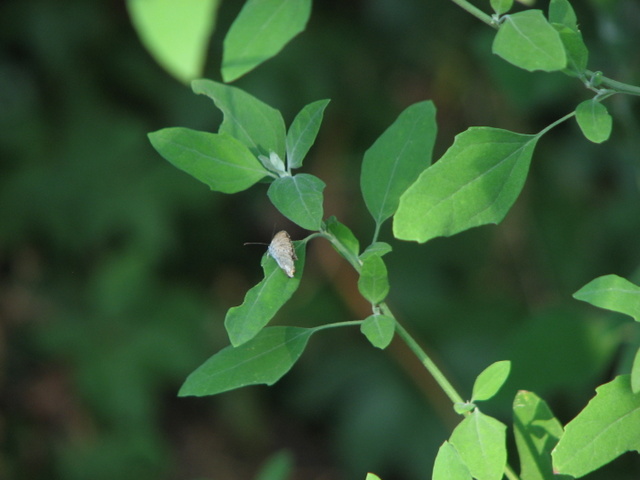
x: 428, y: 363
x: 557, y: 122
x: 376, y: 233
x: 619, y: 87
x: 476, y: 12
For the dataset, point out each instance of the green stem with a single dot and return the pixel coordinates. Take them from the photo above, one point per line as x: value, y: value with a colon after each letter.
x: 350, y: 323
x: 476, y: 12
x: 376, y: 233
x: 557, y: 122
x: 619, y: 87
x: 428, y: 363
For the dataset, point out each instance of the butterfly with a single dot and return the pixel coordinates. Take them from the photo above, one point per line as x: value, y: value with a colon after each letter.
x: 283, y: 252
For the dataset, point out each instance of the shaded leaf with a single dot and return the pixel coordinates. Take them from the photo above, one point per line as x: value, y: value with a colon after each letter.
x: 278, y: 467
x: 490, y: 380
x: 263, y: 360
x: 449, y: 465
x: 577, y: 53
x: 501, y: 6
x: 175, y: 33
x: 613, y: 293
x: 220, y: 161
x: 343, y: 241
x: 264, y: 300
x: 537, y: 432
x: 376, y: 248
x: 396, y: 159
x: 594, y: 120
x: 373, y: 282
x: 527, y: 40
x: 474, y: 183
x: 379, y: 330
x: 561, y: 12
x: 299, y: 198
x: 480, y: 441
x: 253, y: 122
x: 303, y: 131
x: 606, y: 428
x: 261, y: 30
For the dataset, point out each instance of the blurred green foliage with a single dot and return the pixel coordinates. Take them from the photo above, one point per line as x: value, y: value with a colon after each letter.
x: 117, y: 269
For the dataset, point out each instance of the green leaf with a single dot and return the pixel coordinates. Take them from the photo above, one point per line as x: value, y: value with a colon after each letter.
x: 278, y: 467
x: 501, y: 6
x: 175, y: 33
x: 372, y: 476
x: 527, y: 40
x: 343, y: 241
x: 480, y: 441
x: 606, y: 428
x: 594, y: 120
x: 256, y: 124
x: 299, y: 198
x: 264, y: 300
x: 474, y: 183
x: 377, y: 248
x: 537, y: 432
x: 220, y: 161
x: 261, y: 30
x: 490, y: 380
x: 449, y: 465
x: 303, y: 131
x: 396, y: 159
x: 461, y: 408
x: 561, y: 12
x: 379, y: 330
x: 263, y: 360
x: 373, y: 282
x: 635, y: 373
x: 577, y: 53
x: 613, y: 293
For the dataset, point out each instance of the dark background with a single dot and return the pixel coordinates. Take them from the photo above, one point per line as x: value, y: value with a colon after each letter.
x: 116, y: 269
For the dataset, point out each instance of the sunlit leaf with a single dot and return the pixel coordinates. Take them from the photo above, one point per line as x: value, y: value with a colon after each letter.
x: 263, y: 360
x: 606, y: 428
x: 264, y: 300
x: 635, y: 373
x: 379, y: 330
x: 260, y: 31
x: 594, y: 120
x: 449, y: 465
x: 527, y: 40
x: 613, y: 293
x: 480, y: 441
x: 303, y: 131
x: 474, y: 183
x: 490, y: 380
x: 253, y: 122
x: 176, y: 33
x: 299, y: 198
x: 396, y: 159
x: 220, y: 161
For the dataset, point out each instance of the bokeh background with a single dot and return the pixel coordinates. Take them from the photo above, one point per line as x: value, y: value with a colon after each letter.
x: 117, y: 269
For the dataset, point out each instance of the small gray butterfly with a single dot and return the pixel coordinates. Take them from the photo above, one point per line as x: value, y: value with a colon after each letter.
x: 283, y: 252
